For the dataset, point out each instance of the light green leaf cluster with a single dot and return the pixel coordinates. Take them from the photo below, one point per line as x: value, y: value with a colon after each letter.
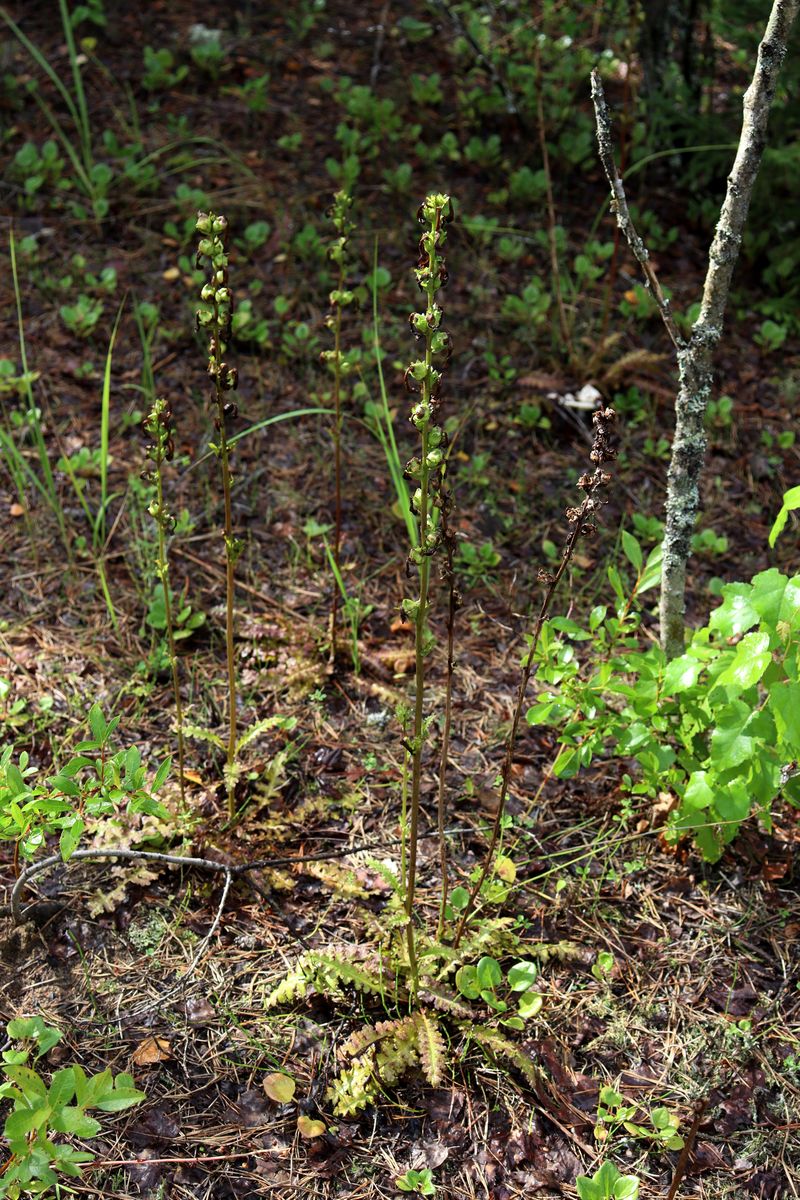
x: 716, y: 727
x: 39, y: 1110
x: 96, y: 781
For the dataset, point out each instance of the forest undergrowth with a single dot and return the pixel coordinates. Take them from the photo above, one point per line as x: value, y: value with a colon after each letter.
x: 362, y: 831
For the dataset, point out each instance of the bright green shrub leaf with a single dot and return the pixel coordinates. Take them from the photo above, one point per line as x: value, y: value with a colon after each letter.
x: 730, y: 745
x: 749, y: 663
x: 791, y: 501
x: 733, y: 802
x: 784, y: 704
x: 699, y: 792
x: 62, y: 1088
x: 651, y: 575
x: 75, y: 1120
x: 775, y: 598
x: 736, y: 614
x: 681, y: 674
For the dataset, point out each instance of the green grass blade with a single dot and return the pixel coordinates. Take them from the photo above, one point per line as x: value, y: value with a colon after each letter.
x: 44, y: 65
x: 287, y: 416
x: 99, y: 529
x: 84, y: 126
x: 386, y: 433
x: 47, y: 485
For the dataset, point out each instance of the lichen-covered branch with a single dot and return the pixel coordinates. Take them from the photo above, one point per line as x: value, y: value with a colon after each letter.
x: 695, y: 356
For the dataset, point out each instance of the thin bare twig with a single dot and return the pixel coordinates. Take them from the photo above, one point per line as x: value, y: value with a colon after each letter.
x: 619, y: 206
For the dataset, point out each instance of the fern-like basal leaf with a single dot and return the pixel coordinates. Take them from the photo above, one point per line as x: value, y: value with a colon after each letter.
x: 397, y: 1051
x: 340, y: 880
x: 432, y: 1053
x: 502, y: 1047
x: 199, y: 733
x: 292, y: 987
x: 439, y: 997
x: 330, y: 970
x: 354, y: 1088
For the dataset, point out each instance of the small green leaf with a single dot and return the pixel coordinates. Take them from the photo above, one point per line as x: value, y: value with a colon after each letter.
x: 749, y: 663
x: 523, y: 975
x: 467, y: 982
x: 530, y: 1003
x: 632, y: 550
x: 488, y: 972
x: 70, y: 836
x: 97, y: 723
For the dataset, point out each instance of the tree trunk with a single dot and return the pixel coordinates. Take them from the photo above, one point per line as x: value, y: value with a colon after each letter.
x: 695, y: 358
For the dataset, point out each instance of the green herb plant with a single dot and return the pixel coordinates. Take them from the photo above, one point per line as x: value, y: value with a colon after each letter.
x: 42, y: 1110
x: 615, y: 1114
x: 607, y: 1183
x: 215, y: 317
x: 419, y: 1182
x: 158, y: 426
x: 96, y: 781
x: 340, y: 298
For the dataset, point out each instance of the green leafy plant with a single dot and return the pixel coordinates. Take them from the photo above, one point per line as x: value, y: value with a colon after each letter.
x: 160, y: 73
x: 206, y: 49
x: 94, y: 782
x: 714, y: 727
x: 419, y: 1182
x: 82, y: 316
x: 158, y: 425
x: 215, y: 317
x: 791, y: 502
x: 602, y: 966
x: 614, y: 1114
x: 486, y: 976
x: 93, y: 178
x: 607, y: 1183
x: 40, y: 1111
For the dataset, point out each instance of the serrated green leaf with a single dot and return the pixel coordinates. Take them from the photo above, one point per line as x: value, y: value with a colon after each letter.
x: 681, y: 674
x: 699, y: 792
x: 749, y: 663
x: 736, y: 614
x: 730, y: 744
x: 775, y: 598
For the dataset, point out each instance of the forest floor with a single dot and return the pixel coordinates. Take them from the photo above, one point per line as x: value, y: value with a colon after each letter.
x: 158, y: 970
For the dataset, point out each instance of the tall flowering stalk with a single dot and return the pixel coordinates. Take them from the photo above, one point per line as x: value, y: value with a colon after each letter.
x: 158, y: 427
x: 423, y: 378
x: 582, y: 524
x: 215, y: 316
x: 339, y: 298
